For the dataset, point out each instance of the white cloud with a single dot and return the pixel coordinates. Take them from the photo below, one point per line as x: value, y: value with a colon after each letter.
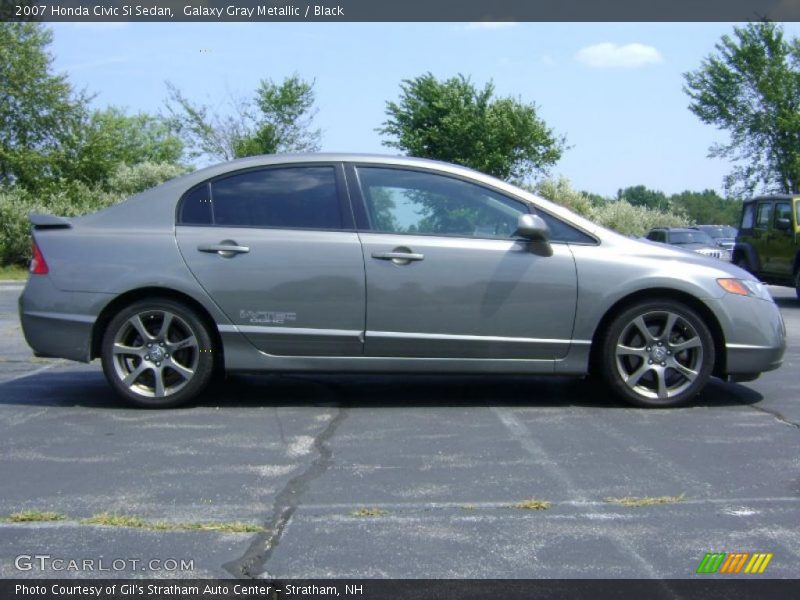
x: 609, y: 56
x: 491, y: 25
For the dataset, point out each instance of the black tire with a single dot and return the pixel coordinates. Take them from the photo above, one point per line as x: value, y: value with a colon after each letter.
x: 658, y: 368
x: 154, y: 366
x: 743, y: 264
x: 797, y: 284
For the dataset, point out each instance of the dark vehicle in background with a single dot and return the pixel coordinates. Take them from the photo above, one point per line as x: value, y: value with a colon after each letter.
x: 723, y: 235
x: 768, y: 244
x: 689, y: 239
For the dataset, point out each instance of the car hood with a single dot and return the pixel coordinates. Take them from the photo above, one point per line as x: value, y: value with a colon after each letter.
x: 645, y: 249
x: 697, y: 246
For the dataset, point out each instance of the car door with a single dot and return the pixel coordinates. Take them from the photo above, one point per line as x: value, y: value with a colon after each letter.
x: 445, y: 276
x: 276, y: 249
x: 761, y: 232
x: 781, y: 241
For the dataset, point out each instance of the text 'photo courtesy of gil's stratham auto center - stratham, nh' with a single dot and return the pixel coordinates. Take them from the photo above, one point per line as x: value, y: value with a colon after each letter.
x: 392, y: 300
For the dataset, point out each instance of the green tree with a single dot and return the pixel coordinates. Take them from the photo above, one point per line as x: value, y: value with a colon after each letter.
x: 278, y: 119
x: 708, y: 207
x: 454, y: 121
x: 110, y: 138
x: 40, y: 113
x: 751, y: 88
x: 639, y: 195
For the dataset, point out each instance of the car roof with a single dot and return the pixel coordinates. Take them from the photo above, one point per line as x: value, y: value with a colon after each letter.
x: 771, y: 197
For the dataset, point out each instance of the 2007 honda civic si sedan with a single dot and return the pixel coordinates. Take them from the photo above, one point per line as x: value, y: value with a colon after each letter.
x: 355, y: 263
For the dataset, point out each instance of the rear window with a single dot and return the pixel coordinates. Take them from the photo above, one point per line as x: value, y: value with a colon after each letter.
x: 291, y: 197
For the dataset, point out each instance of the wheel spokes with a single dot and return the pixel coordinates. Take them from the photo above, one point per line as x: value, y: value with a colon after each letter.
x: 145, y: 362
x: 181, y: 370
x: 685, y: 371
x: 136, y: 322
x: 639, y: 323
x: 131, y: 378
x: 122, y: 349
x: 647, y: 362
x: 189, y: 342
x: 688, y: 344
x: 629, y: 351
x: 669, y: 326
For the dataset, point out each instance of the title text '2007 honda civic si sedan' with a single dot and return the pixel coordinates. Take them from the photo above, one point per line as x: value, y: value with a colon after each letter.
x: 356, y: 263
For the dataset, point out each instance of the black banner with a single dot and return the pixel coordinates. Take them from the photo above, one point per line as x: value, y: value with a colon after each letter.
x: 737, y: 588
x: 399, y: 10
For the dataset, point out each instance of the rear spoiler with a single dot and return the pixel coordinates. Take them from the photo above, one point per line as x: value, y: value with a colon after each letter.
x: 39, y: 221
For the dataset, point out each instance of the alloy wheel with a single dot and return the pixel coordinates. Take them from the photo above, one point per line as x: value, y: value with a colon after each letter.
x: 659, y: 354
x: 155, y: 353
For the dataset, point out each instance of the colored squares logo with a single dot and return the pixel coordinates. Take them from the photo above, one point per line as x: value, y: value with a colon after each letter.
x: 732, y: 563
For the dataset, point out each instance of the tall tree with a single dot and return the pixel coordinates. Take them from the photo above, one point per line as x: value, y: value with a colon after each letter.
x: 708, y: 207
x: 278, y: 119
x: 454, y: 121
x: 639, y: 195
x: 40, y: 113
x: 750, y: 87
x: 110, y: 138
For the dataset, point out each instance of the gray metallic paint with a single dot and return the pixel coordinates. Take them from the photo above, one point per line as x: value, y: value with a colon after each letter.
x: 361, y: 314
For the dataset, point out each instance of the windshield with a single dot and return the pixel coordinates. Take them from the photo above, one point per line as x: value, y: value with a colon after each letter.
x: 720, y: 232
x: 690, y: 237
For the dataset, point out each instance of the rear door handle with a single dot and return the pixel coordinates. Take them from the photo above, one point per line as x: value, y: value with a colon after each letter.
x: 398, y: 258
x: 226, y: 248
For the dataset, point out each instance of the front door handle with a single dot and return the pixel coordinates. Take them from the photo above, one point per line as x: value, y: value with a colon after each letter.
x: 399, y: 256
x: 226, y: 248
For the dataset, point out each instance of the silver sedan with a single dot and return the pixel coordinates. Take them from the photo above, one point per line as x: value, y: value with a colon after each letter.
x: 356, y: 263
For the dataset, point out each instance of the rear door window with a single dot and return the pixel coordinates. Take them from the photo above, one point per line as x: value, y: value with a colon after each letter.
x: 286, y: 197
x: 748, y: 216
x: 292, y: 197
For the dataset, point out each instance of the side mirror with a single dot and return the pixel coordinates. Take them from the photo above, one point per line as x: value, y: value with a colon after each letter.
x: 783, y: 224
x: 533, y: 228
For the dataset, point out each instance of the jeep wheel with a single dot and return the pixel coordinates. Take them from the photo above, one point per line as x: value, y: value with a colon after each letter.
x: 797, y: 284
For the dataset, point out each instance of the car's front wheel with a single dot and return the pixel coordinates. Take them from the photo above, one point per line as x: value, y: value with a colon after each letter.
x: 657, y: 354
x: 157, y: 353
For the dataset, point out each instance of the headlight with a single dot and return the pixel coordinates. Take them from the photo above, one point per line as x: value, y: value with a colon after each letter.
x: 745, y: 287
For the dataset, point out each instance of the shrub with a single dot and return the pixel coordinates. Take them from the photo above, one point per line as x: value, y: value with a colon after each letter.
x: 636, y: 220
x: 69, y: 199
x: 561, y: 192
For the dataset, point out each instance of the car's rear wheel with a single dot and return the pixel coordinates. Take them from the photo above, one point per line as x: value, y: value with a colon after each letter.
x: 157, y: 353
x: 657, y: 354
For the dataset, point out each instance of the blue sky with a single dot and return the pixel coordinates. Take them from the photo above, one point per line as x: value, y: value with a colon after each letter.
x: 613, y: 89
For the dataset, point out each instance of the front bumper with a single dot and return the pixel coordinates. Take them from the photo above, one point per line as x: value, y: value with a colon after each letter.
x: 755, y: 334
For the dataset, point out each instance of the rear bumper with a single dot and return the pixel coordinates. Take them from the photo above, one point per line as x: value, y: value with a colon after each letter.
x: 55, y: 323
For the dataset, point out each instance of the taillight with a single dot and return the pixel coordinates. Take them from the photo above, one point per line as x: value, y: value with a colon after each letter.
x: 38, y: 264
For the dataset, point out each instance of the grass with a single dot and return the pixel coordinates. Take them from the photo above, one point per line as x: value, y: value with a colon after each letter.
x: 13, y: 272
x: 134, y: 522
x: 634, y: 502
x: 369, y: 512
x: 34, y: 516
x: 532, y: 504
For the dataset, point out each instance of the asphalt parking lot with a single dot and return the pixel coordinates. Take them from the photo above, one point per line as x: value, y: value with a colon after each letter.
x: 353, y: 476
